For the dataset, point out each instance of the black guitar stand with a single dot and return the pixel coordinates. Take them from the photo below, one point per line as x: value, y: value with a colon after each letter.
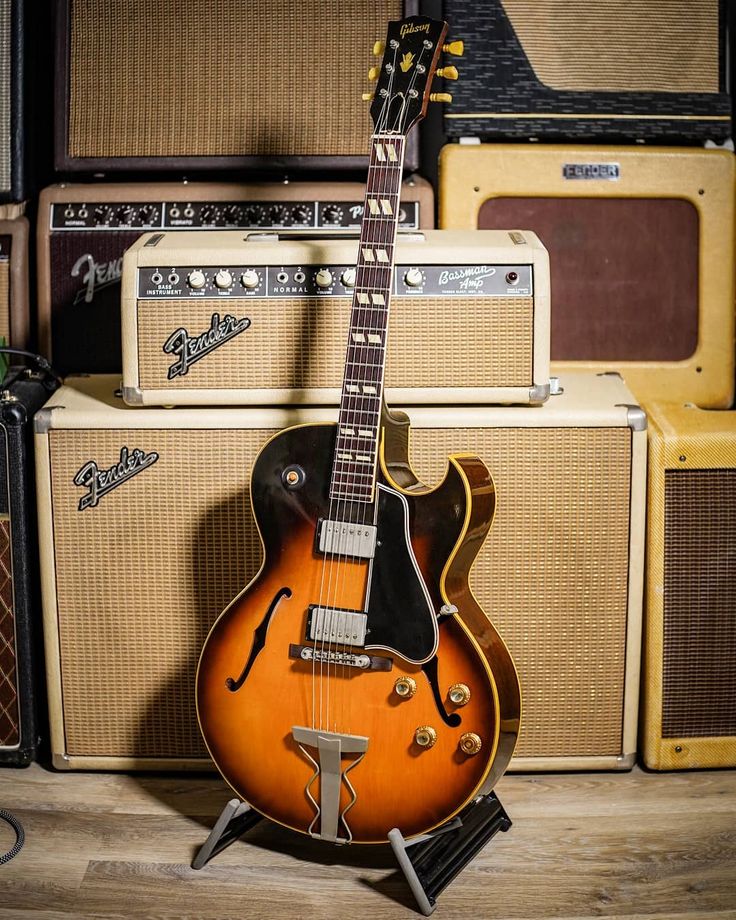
x: 429, y: 862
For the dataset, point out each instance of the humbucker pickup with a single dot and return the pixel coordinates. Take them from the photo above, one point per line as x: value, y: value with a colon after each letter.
x: 346, y: 627
x: 343, y: 538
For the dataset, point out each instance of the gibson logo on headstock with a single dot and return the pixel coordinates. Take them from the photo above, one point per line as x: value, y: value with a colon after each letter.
x: 192, y: 348
x: 99, y: 482
x: 409, y: 27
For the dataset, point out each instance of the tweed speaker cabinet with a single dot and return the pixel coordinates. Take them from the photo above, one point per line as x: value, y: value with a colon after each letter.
x: 21, y: 661
x: 216, y: 84
x: 227, y: 319
x: 689, y: 695
x: 609, y: 70
x: 641, y: 245
x: 14, y: 310
x: 84, y: 229
x: 137, y: 567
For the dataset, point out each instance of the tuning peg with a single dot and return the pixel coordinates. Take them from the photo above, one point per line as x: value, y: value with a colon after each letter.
x: 367, y: 97
x: 380, y: 47
x: 449, y: 73
x: 455, y: 48
x: 373, y: 74
x: 440, y: 97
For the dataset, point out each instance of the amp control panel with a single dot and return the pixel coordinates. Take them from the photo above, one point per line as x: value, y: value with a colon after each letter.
x: 176, y: 282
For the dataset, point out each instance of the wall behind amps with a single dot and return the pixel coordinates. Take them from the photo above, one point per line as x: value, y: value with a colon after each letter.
x: 469, y: 319
x: 602, y: 71
x: 641, y: 245
x: 14, y: 307
x: 189, y: 97
x: 688, y: 713
x: 135, y: 573
x: 83, y: 231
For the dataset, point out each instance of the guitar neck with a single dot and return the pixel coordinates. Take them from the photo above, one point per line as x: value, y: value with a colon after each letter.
x: 356, y: 447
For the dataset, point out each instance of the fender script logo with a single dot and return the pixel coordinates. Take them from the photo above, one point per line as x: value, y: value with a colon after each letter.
x: 189, y: 348
x: 98, y: 275
x: 99, y: 482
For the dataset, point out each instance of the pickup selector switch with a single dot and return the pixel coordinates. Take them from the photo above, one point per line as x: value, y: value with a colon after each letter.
x: 414, y: 277
x: 223, y: 279
x: 323, y: 278
x: 250, y: 279
x: 196, y: 279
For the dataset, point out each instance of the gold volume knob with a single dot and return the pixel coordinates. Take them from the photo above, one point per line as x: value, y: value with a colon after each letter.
x: 459, y: 694
x: 470, y: 743
x: 405, y: 687
x: 425, y: 736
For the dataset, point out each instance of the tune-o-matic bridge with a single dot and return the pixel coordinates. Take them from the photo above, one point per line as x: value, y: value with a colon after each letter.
x: 347, y: 659
x: 343, y: 538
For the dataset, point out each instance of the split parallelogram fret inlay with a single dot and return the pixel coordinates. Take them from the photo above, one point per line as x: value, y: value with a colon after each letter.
x: 353, y: 472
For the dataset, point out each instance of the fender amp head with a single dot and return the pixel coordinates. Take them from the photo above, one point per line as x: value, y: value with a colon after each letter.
x: 147, y: 534
x: 641, y: 245
x: 602, y: 71
x: 83, y: 231
x: 14, y: 311
x: 689, y: 699
x: 223, y: 318
x: 156, y: 85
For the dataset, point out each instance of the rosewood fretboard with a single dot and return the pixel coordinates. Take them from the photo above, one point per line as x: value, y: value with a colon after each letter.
x: 356, y: 448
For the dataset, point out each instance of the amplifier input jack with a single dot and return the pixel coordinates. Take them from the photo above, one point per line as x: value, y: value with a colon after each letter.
x: 300, y: 277
x: 188, y: 212
x: 174, y: 212
x: 282, y: 277
x: 83, y: 213
x: 173, y: 278
x: 512, y: 277
x: 156, y: 278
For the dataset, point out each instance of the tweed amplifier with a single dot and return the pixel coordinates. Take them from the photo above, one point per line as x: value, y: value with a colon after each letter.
x: 146, y: 534
x: 165, y: 85
x: 603, y: 71
x: 641, y: 246
x: 689, y: 711
x: 470, y: 318
x: 83, y: 231
x: 14, y: 312
x: 21, y: 665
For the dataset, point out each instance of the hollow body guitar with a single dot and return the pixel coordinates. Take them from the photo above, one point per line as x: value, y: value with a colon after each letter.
x: 355, y: 685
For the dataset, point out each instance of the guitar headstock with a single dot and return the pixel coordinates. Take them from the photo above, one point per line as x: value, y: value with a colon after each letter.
x: 404, y: 80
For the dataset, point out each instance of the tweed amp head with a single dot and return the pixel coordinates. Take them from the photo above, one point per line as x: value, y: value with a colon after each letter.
x: 602, y: 71
x: 137, y: 81
x: 14, y: 311
x: 83, y: 231
x: 641, y: 245
x: 232, y: 319
x: 137, y: 564
x: 689, y: 699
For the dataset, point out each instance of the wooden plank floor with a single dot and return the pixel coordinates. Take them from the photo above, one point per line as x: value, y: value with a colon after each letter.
x: 659, y: 846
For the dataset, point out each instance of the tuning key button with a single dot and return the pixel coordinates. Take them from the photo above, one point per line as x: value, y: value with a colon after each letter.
x: 414, y: 277
x: 323, y: 278
x: 470, y: 743
x: 249, y: 279
x: 405, y: 687
x: 448, y: 73
x: 347, y: 278
x: 379, y: 48
x: 223, y: 279
x: 196, y: 279
x: 425, y: 736
x: 440, y: 97
x: 457, y: 48
x: 459, y: 694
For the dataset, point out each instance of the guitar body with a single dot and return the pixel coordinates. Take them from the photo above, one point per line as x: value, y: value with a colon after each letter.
x: 252, y: 694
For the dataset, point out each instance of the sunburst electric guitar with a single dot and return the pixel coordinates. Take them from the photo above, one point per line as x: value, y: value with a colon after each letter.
x: 355, y: 685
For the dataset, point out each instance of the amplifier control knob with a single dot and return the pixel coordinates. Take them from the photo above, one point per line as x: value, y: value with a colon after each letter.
x: 101, y: 214
x: 196, y: 279
x: 301, y: 214
x: 278, y: 214
x: 425, y: 736
x: 232, y: 214
x: 414, y: 277
x: 323, y: 278
x: 223, y: 279
x: 250, y: 279
x: 332, y: 215
x: 348, y: 277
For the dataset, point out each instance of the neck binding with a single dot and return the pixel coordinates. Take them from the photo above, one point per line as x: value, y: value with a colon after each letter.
x: 356, y: 446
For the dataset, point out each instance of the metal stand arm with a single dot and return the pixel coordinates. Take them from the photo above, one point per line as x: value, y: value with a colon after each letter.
x: 235, y: 819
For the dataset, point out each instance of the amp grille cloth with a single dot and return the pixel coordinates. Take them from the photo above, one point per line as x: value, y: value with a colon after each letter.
x: 9, y: 717
x: 699, y: 656
x: 157, y: 78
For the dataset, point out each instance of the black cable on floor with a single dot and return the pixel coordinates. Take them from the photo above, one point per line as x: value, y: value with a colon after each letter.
x: 20, y: 836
